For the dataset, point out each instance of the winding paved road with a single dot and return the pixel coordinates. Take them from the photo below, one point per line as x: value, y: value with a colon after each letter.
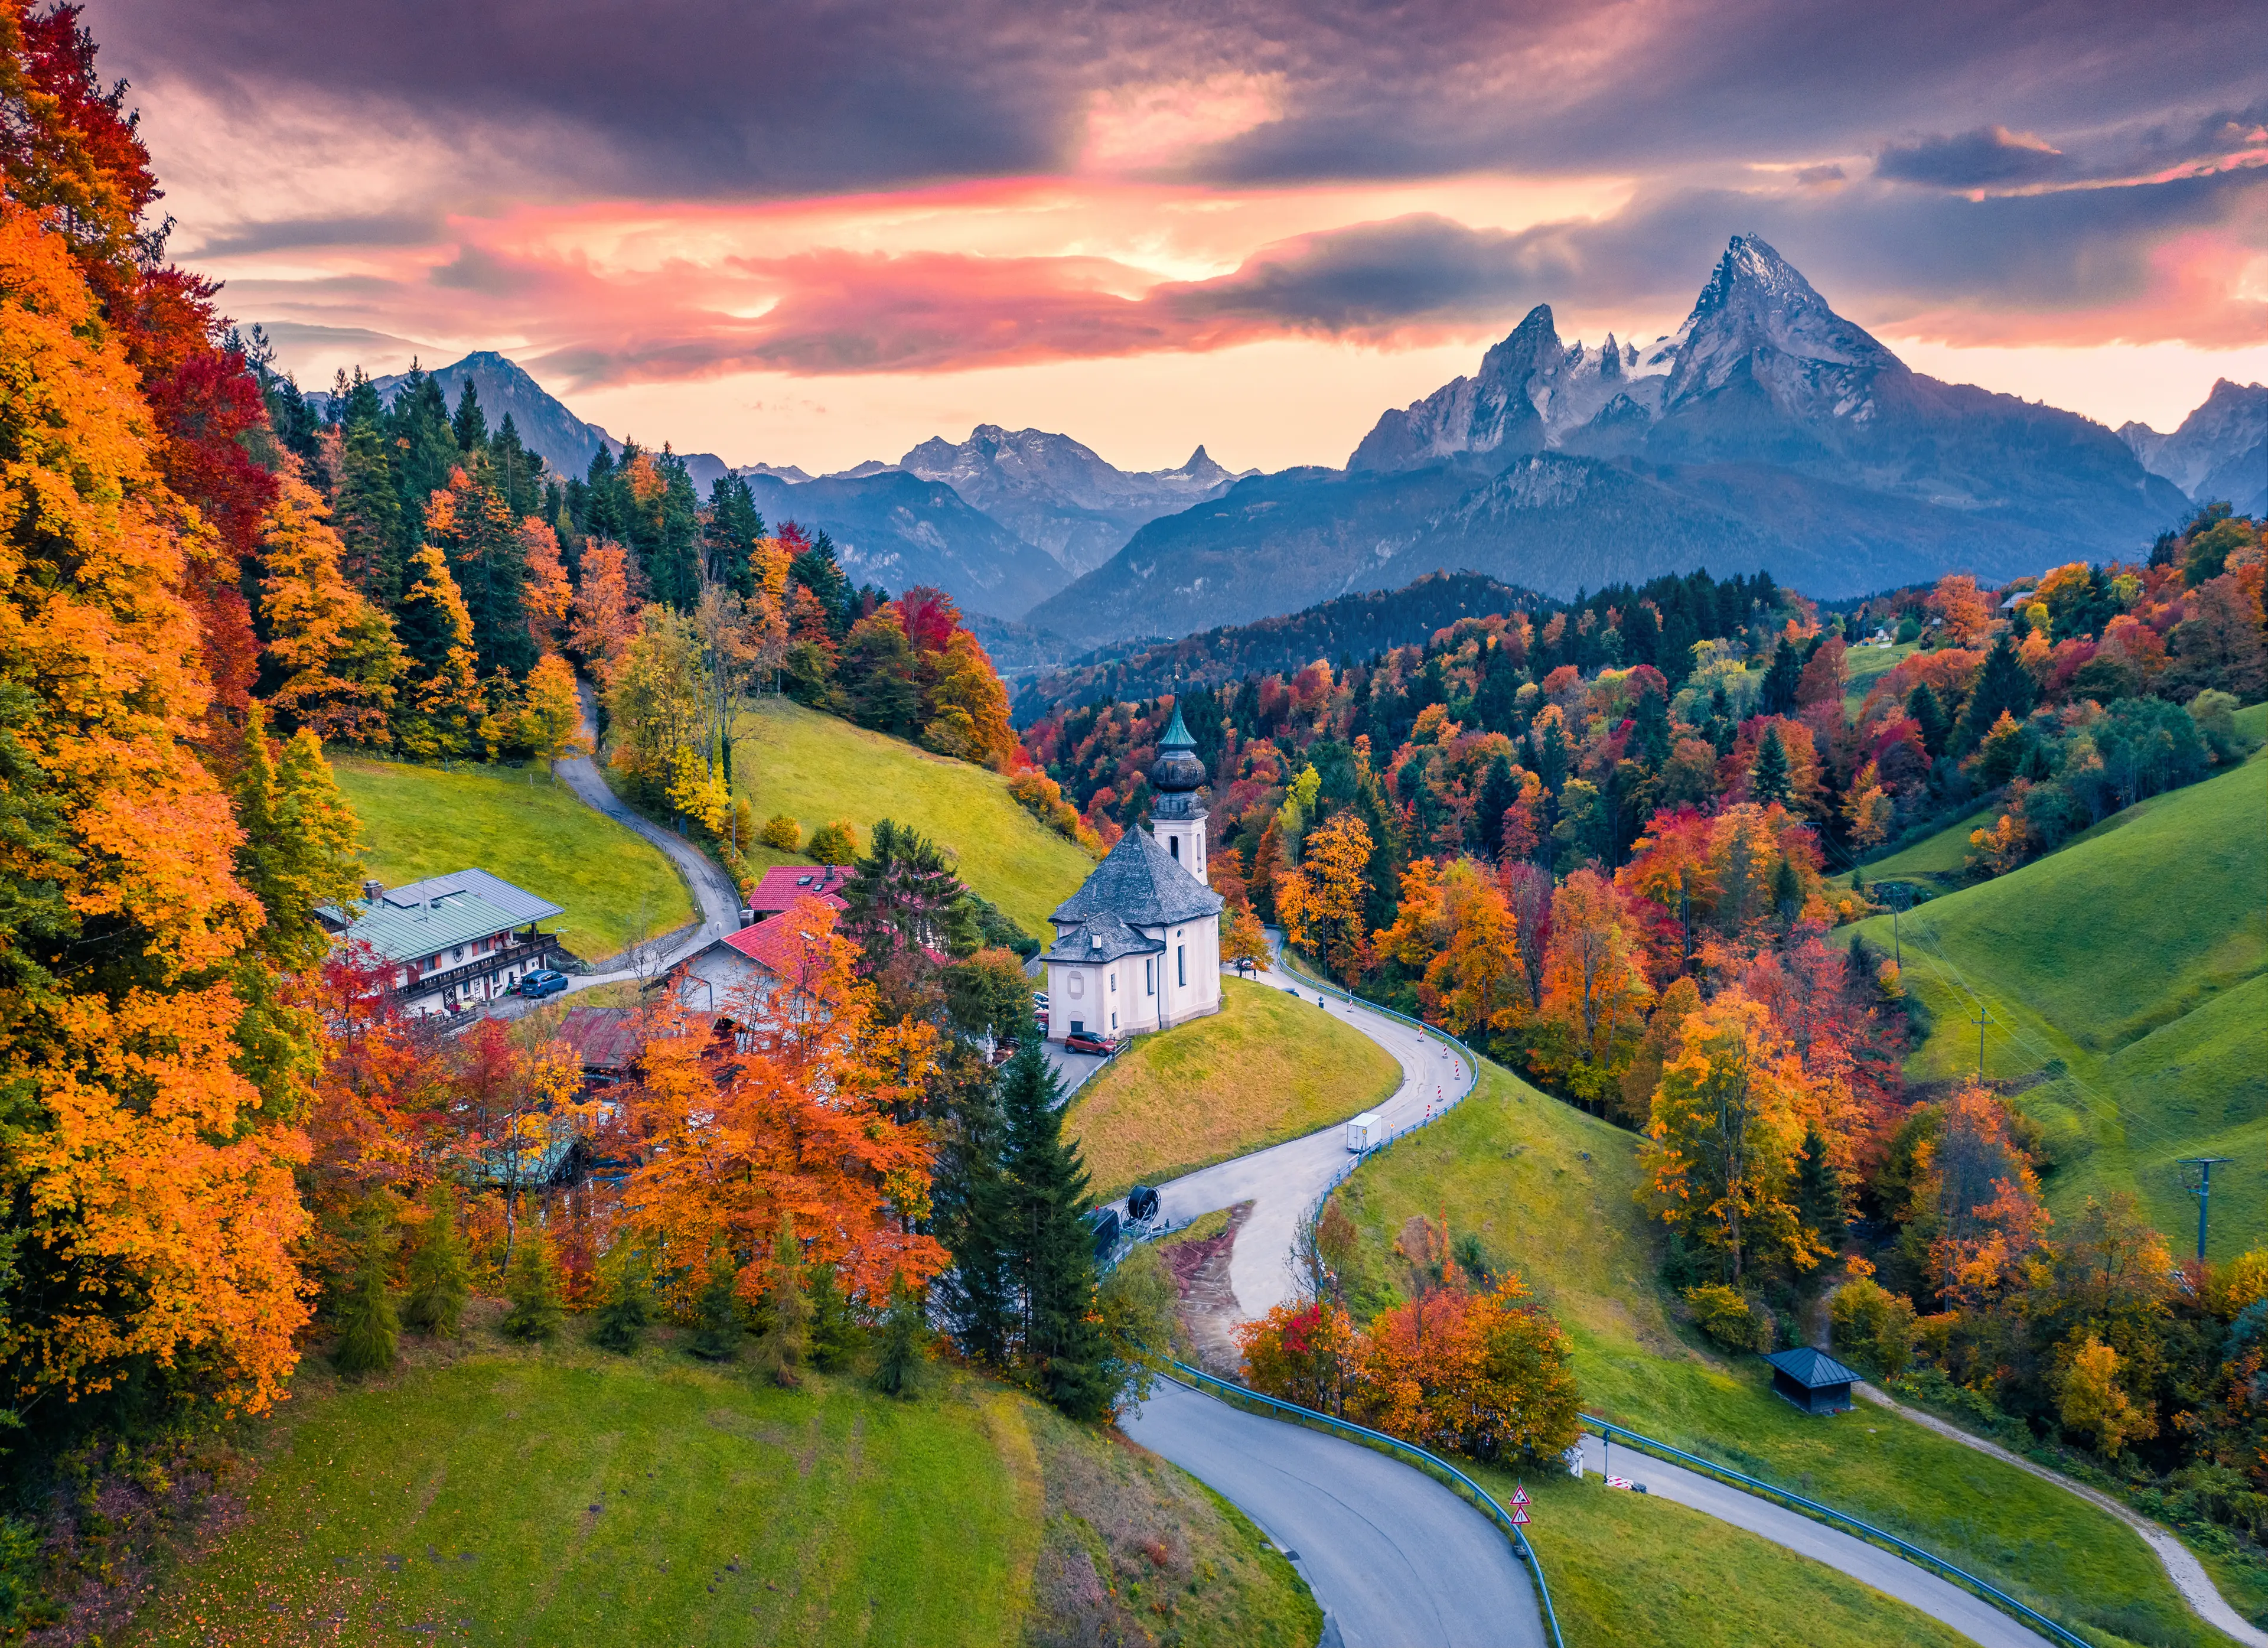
x: 1395, y: 1559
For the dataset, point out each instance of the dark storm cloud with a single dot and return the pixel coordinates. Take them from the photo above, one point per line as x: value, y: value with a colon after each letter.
x: 1991, y: 156
x: 386, y: 229
x: 702, y: 98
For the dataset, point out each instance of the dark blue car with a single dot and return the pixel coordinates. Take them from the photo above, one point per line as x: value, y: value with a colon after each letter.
x: 541, y: 983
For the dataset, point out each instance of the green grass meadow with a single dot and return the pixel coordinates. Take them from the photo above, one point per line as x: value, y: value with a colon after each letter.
x: 1554, y: 1193
x: 815, y: 769
x: 567, y: 1496
x: 1258, y: 1072
x: 2126, y: 975
x: 526, y: 826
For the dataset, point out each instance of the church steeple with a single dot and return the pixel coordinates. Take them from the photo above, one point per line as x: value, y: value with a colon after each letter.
x: 1177, y: 817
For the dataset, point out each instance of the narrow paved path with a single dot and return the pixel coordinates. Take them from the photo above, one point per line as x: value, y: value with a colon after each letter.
x: 2180, y: 1563
x: 1395, y: 1559
x: 1283, y: 1181
x: 1891, y: 1575
x: 712, y: 889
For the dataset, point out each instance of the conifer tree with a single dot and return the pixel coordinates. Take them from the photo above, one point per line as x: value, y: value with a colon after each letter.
x: 2003, y: 688
x: 1770, y: 779
x: 836, y: 1332
x: 970, y: 1194
x: 905, y: 1343
x: 470, y: 425
x: 532, y: 1286
x: 1819, y: 1199
x: 440, y: 713
x: 624, y: 1317
x: 1787, y: 890
x: 1051, y: 1253
x: 367, y: 511
x: 785, y: 1339
x: 369, y: 1329
x: 334, y: 650
x: 719, y: 1320
x: 1928, y: 711
x: 440, y: 1273
x: 1498, y: 790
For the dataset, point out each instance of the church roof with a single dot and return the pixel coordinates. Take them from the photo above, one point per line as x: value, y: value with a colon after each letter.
x: 1102, y: 938
x: 1142, y: 884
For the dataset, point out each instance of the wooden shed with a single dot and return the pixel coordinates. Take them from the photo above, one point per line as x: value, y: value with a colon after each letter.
x: 1812, y: 1380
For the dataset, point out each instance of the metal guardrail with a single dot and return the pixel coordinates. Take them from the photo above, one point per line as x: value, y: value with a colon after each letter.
x: 1433, y: 1463
x: 1829, y: 1514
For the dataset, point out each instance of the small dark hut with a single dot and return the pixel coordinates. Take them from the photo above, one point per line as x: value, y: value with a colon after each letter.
x: 1812, y: 1380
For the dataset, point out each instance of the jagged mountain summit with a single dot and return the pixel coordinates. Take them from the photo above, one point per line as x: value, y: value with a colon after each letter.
x: 1060, y: 495
x: 1766, y: 431
x: 2220, y: 453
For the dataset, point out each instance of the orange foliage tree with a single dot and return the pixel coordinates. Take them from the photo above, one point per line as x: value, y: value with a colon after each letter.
x: 1595, y: 988
x: 791, y: 1107
x: 336, y: 652
x: 1320, y: 902
x: 148, y: 1172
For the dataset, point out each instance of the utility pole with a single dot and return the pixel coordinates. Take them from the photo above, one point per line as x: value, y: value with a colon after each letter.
x: 1899, y: 895
x: 2202, y: 1190
x: 1983, y: 1016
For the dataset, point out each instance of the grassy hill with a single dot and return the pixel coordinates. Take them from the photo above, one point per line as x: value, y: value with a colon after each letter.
x: 814, y: 768
x: 1553, y: 1193
x: 525, y: 826
x: 569, y: 1496
x: 2127, y: 977
x: 1258, y: 1072
x: 1867, y: 665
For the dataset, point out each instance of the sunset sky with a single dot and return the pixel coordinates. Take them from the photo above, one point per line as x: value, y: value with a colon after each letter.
x: 816, y: 233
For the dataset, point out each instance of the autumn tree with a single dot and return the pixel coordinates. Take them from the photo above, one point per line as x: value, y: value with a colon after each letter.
x: 1594, y: 987
x: 1728, y: 1125
x: 551, y: 715
x: 1322, y: 903
x: 1965, y: 611
x: 439, y: 715
x: 148, y: 1165
x: 548, y: 597
x: 607, y: 604
x: 334, y: 651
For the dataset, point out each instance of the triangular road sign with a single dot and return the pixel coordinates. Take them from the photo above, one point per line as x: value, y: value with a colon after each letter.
x: 1519, y: 1516
x: 1519, y: 1495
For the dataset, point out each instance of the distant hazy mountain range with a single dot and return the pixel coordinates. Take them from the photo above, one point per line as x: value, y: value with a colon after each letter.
x: 1767, y: 431
x: 2220, y: 452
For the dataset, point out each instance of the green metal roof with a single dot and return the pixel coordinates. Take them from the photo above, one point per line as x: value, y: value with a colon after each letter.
x: 414, y: 932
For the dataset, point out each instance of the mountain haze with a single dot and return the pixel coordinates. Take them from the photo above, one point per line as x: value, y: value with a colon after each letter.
x: 2220, y: 453
x: 1767, y: 432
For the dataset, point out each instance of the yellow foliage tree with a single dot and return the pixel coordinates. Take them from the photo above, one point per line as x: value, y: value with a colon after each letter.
x: 551, y: 714
x: 1595, y: 988
x: 444, y: 705
x: 2090, y: 1399
x: 1321, y: 903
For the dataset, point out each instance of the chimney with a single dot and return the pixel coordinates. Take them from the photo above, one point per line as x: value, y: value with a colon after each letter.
x: 747, y: 916
x: 373, y: 891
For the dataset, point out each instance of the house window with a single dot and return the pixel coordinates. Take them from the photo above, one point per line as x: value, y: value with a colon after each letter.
x: 1182, y: 966
x: 1114, y: 1021
x: 1174, y: 845
x: 1113, y: 981
x: 1150, y: 975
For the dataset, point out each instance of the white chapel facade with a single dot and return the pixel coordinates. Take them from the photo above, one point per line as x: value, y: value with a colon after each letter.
x: 1137, y: 948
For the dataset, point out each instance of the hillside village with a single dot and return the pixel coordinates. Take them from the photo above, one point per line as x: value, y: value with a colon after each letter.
x: 1638, y: 1015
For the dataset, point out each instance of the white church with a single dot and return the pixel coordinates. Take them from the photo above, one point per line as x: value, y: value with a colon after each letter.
x: 1138, y: 946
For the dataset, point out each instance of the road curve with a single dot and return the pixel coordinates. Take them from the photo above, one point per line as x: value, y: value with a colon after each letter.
x: 1283, y: 1181
x: 1395, y: 1559
x: 1871, y: 1565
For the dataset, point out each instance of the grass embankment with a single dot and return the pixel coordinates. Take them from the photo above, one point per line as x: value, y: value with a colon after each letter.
x: 527, y: 826
x: 2126, y: 975
x: 1863, y: 666
x: 1630, y: 1568
x: 1553, y: 1191
x: 815, y: 769
x: 1258, y: 1072
x: 1943, y: 857
x: 570, y: 1497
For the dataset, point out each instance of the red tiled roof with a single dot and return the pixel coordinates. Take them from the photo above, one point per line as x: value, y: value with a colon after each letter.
x: 784, y: 884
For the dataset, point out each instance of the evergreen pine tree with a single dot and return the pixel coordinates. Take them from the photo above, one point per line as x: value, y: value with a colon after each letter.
x: 470, y: 426
x: 1499, y: 791
x: 1928, y: 712
x: 1787, y: 890
x: 719, y: 1320
x: 2004, y: 685
x: 532, y: 1284
x: 970, y: 1193
x: 905, y: 1343
x: 427, y: 453
x: 1653, y: 730
x: 1051, y: 1250
x: 785, y: 1339
x: 369, y: 1329
x: 1819, y: 1189
x: 367, y: 514
x: 835, y: 1331
x: 624, y: 1317
x: 1770, y: 779
x: 1780, y: 679
x: 440, y: 1274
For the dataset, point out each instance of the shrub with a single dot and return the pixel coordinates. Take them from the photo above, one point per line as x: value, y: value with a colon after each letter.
x: 1874, y: 1328
x: 1728, y: 1318
x: 624, y: 1317
x: 368, y: 1326
x: 782, y: 833
x: 834, y: 842
x: 718, y: 1319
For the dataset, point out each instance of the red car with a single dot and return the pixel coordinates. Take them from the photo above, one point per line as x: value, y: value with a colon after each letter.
x: 1081, y: 1041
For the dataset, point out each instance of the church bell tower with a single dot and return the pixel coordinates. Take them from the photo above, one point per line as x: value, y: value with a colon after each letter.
x: 1177, y: 817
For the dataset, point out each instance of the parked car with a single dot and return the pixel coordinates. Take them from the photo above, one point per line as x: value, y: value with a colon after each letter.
x: 1088, y: 1042
x: 1039, y: 1000
x: 541, y: 983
